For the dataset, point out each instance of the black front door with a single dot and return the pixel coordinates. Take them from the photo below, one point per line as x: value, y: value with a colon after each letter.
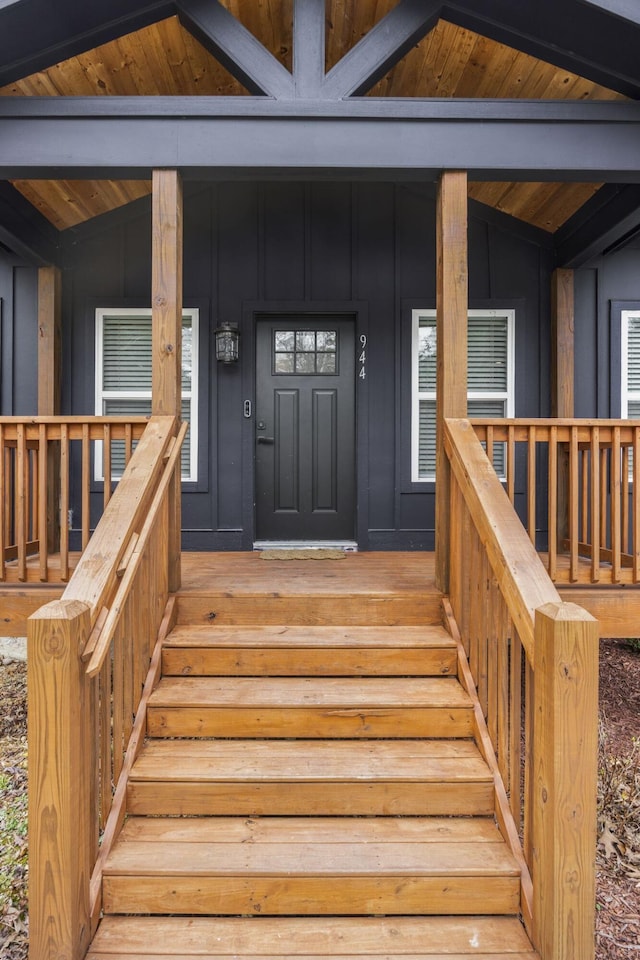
x: 305, y: 428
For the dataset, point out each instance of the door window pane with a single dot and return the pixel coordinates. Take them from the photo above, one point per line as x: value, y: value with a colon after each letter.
x: 305, y: 352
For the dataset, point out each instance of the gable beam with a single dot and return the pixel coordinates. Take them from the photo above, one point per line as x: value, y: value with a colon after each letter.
x: 34, y: 37
x: 236, y: 48
x: 625, y: 9
x: 605, y: 222
x: 380, y: 49
x: 24, y: 231
x: 308, y: 46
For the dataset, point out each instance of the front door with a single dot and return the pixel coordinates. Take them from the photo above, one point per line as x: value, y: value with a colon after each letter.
x: 305, y: 428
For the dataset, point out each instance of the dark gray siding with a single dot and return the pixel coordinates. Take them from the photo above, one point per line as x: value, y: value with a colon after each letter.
x: 18, y: 336
x: 365, y: 249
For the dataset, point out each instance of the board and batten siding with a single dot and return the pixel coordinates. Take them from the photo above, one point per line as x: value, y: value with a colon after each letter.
x: 364, y: 249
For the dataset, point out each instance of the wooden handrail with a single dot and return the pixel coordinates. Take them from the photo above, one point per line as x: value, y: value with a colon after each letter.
x: 533, y: 669
x: 523, y: 581
x: 81, y: 718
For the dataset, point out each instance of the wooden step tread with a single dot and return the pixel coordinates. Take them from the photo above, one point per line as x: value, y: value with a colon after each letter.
x: 290, y: 692
x: 265, y: 830
x: 427, y: 636
x: 310, y: 760
x: 338, y: 938
x: 306, y: 848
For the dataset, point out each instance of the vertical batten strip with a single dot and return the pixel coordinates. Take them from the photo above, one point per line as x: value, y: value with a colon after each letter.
x: 452, y: 300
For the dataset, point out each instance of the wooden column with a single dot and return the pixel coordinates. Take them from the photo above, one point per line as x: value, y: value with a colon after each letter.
x: 565, y: 775
x: 62, y: 824
x: 452, y: 305
x: 49, y: 383
x: 166, y: 301
x: 562, y: 382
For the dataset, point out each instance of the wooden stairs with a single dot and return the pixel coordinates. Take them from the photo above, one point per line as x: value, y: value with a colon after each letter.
x: 310, y: 790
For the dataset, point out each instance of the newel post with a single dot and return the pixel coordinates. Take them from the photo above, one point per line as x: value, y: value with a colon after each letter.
x: 565, y: 771
x: 166, y: 305
x: 62, y: 815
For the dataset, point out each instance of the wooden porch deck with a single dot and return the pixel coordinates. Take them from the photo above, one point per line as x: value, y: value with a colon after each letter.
x: 383, y: 578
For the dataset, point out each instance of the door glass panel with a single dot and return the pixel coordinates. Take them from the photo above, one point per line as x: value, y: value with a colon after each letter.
x: 305, y: 352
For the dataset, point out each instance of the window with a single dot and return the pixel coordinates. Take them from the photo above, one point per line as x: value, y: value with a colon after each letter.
x: 490, y: 381
x: 630, y: 379
x: 123, y: 377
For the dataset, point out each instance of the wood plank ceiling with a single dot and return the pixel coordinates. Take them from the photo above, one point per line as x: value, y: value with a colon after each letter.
x: 164, y: 59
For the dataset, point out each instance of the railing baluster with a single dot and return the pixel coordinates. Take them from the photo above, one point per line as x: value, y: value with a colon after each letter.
x: 573, y: 514
x: 21, y: 495
x: 584, y: 496
x: 490, y: 444
x: 511, y: 463
x: 86, y: 485
x: 635, y: 504
x: 64, y: 502
x: 106, y: 464
x: 3, y: 504
x: 604, y: 457
x: 483, y: 629
x: 531, y: 484
x: 615, y: 506
x: 595, y: 504
x: 515, y: 725
x: 625, y: 499
x: 43, y: 498
x: 128, y: 443
x: 553, y: 503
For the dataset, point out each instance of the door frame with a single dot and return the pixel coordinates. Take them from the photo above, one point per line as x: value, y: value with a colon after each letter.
x: 251, y: 310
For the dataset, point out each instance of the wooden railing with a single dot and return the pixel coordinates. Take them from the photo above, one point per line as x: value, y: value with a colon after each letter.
x: 579, y: 481
x: 89, y: 657
x: 46, y: 465
x: 534, y: 663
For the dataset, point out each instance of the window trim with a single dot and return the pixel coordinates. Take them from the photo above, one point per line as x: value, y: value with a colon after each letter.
x: 417, y: 395
x: 625, y: 394
x: 191, y: 395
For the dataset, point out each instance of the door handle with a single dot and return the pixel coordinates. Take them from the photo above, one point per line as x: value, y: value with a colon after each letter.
x: 266, y: 440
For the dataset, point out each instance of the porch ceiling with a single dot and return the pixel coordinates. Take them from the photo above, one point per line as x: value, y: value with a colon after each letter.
x: 165, y: 59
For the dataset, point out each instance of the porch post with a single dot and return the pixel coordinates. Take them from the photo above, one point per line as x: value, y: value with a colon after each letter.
x: 49, y: 380
x: 166, y: 302
x: 451, y: 323
x: 562, y: 381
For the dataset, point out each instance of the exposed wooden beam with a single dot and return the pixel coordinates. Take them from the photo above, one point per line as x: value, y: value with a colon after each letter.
x: 562, y: 382
x: 605, y: 222
x: 166, y: 307
x: 113, y: 137
x: 49, y: 340
x: 452, y: 301
x: 571, y: 34
x: 380, y: 49
x: 236, y: 48
x: 308, y: 47
x: 34, y: 37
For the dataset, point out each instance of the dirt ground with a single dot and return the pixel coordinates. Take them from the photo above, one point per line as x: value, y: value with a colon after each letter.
x: 618, y: 883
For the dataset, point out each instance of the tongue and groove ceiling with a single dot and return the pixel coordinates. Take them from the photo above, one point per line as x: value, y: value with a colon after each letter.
x: 165, y: 59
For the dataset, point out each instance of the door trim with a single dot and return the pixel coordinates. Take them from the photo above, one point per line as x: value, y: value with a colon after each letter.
x: 251, y: 311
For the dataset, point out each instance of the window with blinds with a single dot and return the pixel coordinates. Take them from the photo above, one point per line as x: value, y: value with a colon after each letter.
x: 630, y: 370
x: 490, y: 344
x: 123, y: 377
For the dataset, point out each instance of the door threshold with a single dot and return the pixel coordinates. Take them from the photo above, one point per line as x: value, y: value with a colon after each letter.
x: 349, y: 546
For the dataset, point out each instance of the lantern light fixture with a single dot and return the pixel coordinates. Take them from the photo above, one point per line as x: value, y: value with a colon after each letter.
x: 227, y: 343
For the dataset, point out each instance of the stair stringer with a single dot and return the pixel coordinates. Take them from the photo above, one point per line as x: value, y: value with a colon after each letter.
x: 503, y: 814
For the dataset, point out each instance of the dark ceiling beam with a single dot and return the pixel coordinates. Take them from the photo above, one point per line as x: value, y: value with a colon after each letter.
x: 309, y: 17
x: 625, y: 9
x: 24, y: 231
x: 566, y: 33
x: 35, y: 35
x: 236, y: 48
x: 211, y: 137
x: 381, y: 48
x: 606, y: 221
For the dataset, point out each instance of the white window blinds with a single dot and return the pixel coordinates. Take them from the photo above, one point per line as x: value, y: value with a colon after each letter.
x: 123, y: 376
x: 490, y: 344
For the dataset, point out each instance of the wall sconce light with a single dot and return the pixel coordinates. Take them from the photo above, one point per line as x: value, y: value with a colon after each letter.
x: 227, y: 343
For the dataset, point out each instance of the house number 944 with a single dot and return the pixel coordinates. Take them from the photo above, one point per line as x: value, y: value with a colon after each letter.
x: 362, y: 359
